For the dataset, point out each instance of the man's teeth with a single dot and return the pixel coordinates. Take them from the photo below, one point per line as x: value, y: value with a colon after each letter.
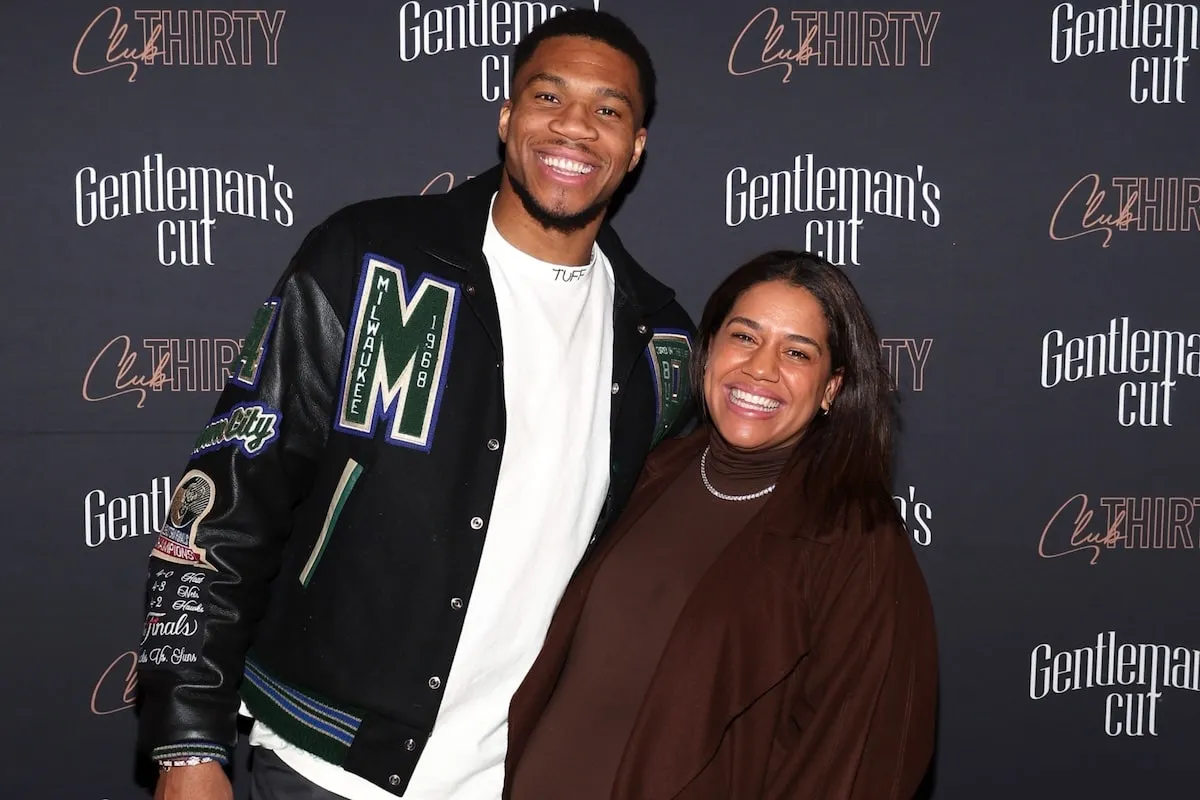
x: 747, y: 400
x: 567, y: 165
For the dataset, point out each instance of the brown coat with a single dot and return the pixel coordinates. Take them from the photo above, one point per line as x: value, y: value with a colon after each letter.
x: 801, y: 667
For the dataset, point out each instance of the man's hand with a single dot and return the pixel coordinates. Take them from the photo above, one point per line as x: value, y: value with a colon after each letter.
x: 201, y: 782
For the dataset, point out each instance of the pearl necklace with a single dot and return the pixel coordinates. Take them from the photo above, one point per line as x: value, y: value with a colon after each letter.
x: 721, y: 496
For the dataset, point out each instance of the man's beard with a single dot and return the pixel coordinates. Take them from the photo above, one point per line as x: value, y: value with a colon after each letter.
x: 553, y: 220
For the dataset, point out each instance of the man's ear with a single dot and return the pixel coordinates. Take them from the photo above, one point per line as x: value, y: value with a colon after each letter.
x: 502, y: 126
x: 639, y: 145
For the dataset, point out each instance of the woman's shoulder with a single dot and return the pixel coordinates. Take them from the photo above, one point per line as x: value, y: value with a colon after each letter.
x: 875, y: 552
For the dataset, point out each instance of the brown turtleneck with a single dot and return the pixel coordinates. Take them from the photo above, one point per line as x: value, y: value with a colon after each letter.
x: 638, y: 593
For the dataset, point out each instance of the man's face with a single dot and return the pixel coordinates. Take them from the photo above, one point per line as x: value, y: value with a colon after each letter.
x: 572, y: 130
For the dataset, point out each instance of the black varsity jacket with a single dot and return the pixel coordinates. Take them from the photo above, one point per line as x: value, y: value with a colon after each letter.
x: 320, y: 549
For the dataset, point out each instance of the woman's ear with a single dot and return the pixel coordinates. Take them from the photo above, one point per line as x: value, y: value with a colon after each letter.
x: 831, y: 389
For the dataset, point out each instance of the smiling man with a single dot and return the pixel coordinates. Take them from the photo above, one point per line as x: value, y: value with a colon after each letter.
x: 571, y: 135
x: 459, y: 391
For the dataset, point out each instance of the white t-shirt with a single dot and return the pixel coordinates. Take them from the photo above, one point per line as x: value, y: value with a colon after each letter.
x: 556, y: 328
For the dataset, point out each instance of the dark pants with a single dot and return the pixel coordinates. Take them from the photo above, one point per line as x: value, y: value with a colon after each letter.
x: 271, y: 779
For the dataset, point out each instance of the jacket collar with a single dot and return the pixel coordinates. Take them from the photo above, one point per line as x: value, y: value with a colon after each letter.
x: 456, y: 237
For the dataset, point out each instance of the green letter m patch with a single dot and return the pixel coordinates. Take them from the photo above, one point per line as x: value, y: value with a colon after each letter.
x: 397, y: 353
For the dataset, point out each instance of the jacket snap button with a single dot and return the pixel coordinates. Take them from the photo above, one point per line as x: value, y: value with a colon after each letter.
x: 394, y: 780
x: 641, y: 328
x: 435, y: 682
x: 476, y: 523
x: 471, y: 289
x: 616, y: 388
x: 409, y: 745
x: 493, y: 444
x: 456, y: 603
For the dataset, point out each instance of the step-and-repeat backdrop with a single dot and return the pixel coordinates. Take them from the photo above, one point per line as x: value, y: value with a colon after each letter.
x: 1013, y: 186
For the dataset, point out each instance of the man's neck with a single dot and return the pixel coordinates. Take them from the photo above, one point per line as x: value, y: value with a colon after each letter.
x: 523, y: 232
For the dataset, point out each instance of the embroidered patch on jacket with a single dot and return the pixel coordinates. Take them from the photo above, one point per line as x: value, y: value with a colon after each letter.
x: 174, y: 616
x: 248, y: 426
x: 170, y: 632
x: 248, y: 365
x: 669, y: 352
x: 397, y: 354
x: 191, y: 503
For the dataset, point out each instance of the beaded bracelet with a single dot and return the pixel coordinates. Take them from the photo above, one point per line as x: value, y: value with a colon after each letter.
x: 191, y: 761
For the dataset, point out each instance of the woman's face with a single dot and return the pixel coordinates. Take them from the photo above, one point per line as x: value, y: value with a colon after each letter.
x: 769, y: 367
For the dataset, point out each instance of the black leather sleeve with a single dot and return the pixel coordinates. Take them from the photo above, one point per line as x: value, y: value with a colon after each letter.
x: 232, y: 510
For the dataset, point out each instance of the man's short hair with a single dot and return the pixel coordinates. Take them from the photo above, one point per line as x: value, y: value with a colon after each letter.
x: 602, y: 27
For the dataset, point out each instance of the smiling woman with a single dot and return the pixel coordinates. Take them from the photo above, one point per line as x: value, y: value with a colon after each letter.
x: 788, y: 352
x: 755, y: 624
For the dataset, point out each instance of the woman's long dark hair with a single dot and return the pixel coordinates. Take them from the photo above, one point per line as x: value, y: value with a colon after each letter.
x: 847, y: 452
